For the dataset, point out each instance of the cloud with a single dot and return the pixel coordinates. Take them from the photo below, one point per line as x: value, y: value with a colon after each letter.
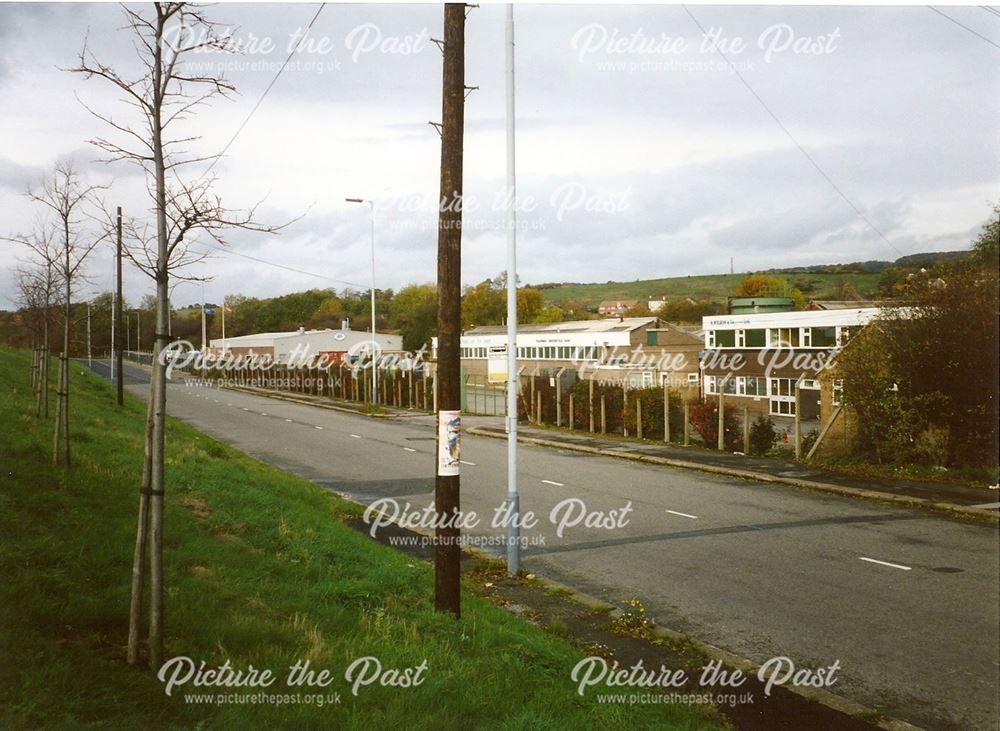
x: 673, y: 164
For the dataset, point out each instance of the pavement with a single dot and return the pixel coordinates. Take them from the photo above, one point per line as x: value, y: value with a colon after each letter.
x: 903, y: 598
x: 962, y: 500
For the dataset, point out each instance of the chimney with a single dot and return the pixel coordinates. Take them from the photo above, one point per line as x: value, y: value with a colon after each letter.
x: 345, y: 325
x: 302, y: 330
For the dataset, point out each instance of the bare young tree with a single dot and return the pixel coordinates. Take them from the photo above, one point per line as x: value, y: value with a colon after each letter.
x: 65, y: 195
x: 161, y: 96
x: 38, y: 284
x: 35, y: 284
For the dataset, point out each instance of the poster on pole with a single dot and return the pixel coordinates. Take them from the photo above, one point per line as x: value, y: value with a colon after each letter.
x: 496, y: 364
x: 449, y: 442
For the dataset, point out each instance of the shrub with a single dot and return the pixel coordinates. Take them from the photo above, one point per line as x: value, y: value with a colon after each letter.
x: 704, y: 416
x: 931, y: 446
x: 809, y: 440
x: 762, y: 435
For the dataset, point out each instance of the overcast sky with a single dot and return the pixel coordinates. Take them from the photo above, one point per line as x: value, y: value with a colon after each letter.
x: 640, y: 154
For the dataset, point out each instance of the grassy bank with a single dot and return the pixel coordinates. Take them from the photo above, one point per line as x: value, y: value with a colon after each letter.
x: 260, y: 570
x: 815, y: 285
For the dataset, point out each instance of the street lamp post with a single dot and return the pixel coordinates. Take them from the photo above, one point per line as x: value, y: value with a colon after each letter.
x: 371, y: 208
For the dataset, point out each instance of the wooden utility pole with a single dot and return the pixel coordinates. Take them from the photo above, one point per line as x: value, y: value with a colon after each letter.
x: 120, y: 382
x: 447, y: 553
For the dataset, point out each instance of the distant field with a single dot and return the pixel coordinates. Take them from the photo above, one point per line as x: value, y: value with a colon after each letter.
x: 815, y: 285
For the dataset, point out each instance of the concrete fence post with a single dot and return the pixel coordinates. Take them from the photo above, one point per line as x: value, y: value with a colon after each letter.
x: 558, y: 401
x: 666, y: 413
x: 571, y: 411
x: 638, y: 417
x: 532, y: 395
x: 798, y: 422
x: 687, y: 424
x: 746, y: 430
x: 590, y: 405
x: 604, y: 416
x: 624, y: 403
x: 722, y: 415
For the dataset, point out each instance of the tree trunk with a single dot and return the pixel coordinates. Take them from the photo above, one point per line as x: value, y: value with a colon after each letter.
x: 158, y: 395
x: 141, y: 539
x: 62, y: 413
x: 59, y: 406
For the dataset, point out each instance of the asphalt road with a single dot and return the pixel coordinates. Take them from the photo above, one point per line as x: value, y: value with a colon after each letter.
x: 906, y: 601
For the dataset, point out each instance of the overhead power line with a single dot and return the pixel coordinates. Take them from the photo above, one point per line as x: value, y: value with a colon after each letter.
x: 977, y: 34
x: 275, y: 264
x: 791, y: 137
x: 266, y: 91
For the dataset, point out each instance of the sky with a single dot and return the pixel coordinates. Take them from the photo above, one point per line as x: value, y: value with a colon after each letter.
x: 640, y: 152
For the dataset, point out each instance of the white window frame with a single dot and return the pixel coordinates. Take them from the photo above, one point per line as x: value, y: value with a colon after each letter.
x: 779, y: 404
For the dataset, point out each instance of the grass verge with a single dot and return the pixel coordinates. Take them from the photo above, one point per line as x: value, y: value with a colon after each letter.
x: 260, y: 570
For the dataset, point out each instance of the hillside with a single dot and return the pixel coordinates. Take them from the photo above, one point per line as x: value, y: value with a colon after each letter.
x: 821, y: 281
x: 814, y: 285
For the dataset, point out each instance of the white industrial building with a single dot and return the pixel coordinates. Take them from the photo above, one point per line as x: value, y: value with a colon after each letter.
x: 333, y: 345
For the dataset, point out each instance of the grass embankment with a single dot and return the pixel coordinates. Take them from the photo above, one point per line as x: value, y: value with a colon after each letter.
x: 260, y: 570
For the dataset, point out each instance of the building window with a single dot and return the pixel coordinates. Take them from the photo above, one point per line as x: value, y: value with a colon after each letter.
x: 823, y: 337
x: 782, y: 408
x: 755, y: 338
x: 754, y: 386
x: 782, y: 396
x: 838, y: 391
x: 710, y: 386
x: 650, y: 337
x: 844, y: 334
x: 722, y: 338
x: 783, y: 337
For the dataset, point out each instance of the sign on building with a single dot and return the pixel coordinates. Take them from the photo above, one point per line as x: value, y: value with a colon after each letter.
x: 496, y: 364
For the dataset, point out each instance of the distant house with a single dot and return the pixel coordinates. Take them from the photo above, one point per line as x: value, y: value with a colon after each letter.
x: 656, y: 304
x: 616, y: 308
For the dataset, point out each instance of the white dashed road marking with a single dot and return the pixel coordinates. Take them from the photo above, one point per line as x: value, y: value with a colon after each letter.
x: 550, y: 482
x: 319, y: 427
x: 356, y: 436
x: 471, y: 464
x: 683, y: 515
x: 886, y: 563
x: 409, y: 449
